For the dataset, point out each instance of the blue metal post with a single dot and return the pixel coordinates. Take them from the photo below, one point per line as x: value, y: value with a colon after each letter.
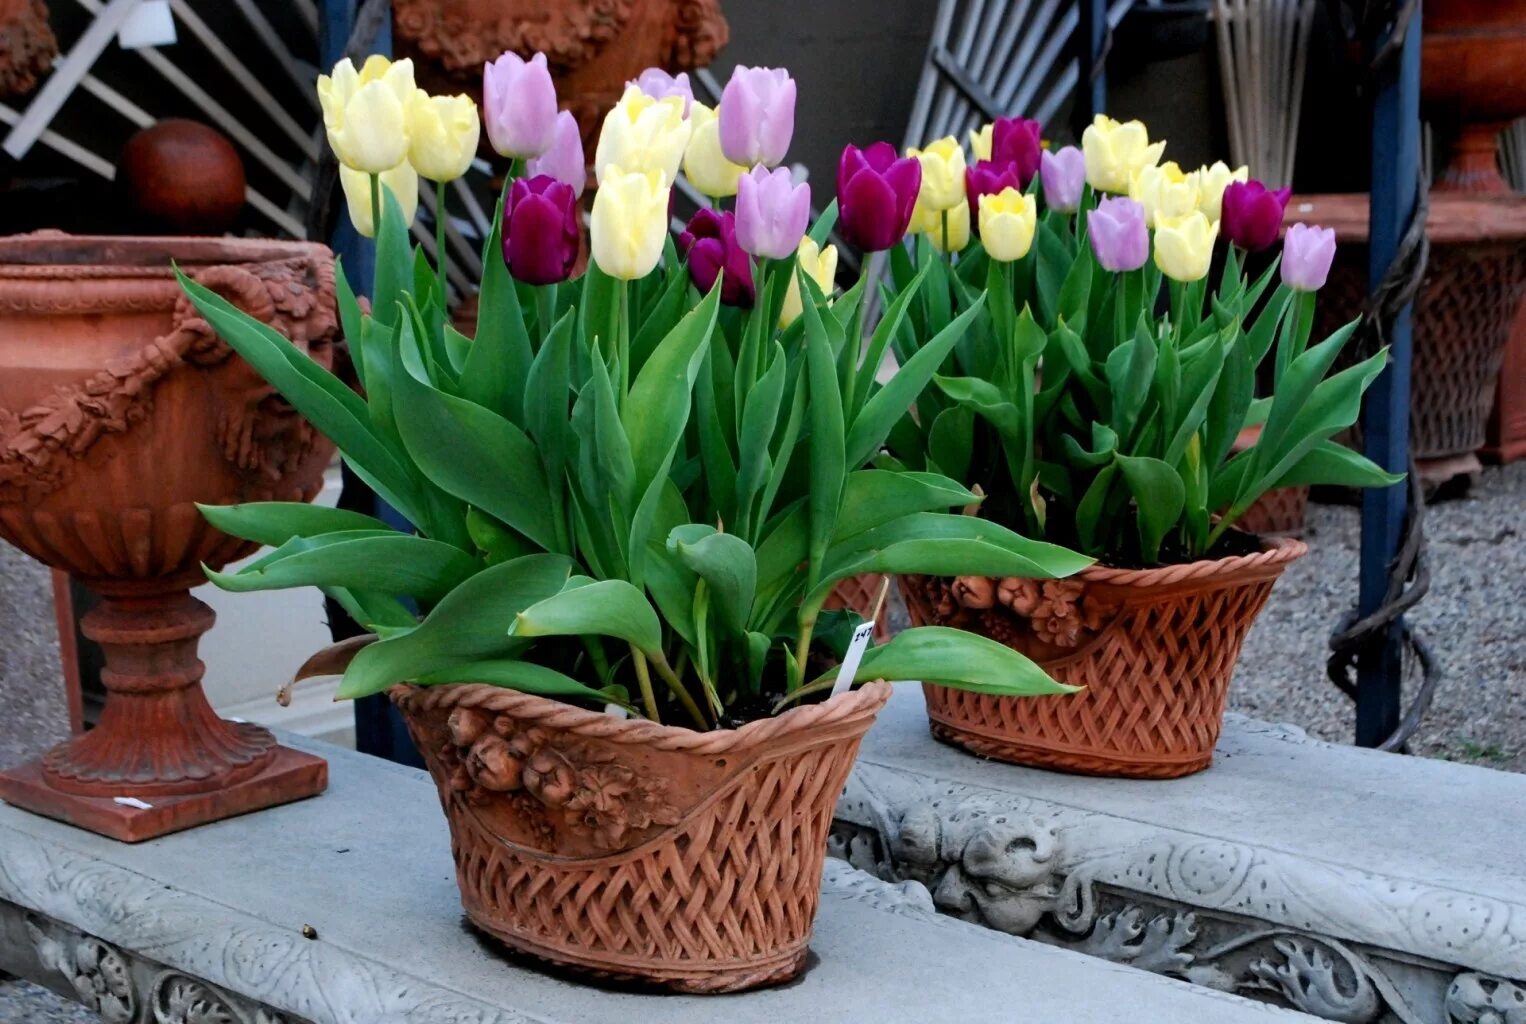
x: 1091, y: 81
x: 1385, y: 417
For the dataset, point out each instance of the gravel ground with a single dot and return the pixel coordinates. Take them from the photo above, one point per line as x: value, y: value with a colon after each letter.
x: 24, y: 1003
x: 1472, y: 618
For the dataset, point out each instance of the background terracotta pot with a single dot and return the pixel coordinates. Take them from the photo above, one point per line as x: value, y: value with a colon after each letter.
x: 630, y: 850
x: 1155, y: 649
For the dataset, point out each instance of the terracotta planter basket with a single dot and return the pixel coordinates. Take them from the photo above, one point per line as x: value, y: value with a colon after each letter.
x: 858, y: 594
x: 636, y: 851
x: 1155, y: 649
x: 1280, y: 512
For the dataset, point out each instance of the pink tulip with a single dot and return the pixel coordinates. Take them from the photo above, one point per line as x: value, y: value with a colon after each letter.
x: 519, y: 105
x: 1118, y: 234
x: 658, y: 84
x: 757, y: 116
x: 772, y: 212
x: 564, y: 159
x: 1307, y: 253
x: 1063, y: 175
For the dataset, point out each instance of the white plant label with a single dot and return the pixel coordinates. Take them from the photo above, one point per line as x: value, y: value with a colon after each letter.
x: 861, y: 637
x: 616, y: 710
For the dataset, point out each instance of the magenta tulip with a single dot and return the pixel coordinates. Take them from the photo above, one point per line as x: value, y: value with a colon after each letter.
x: 988, y: 178
x: 772, y: 212
x: 659, y: 85
x: 540, y: 230
x: 1118, y: 234
x: 1307, y: 253
x: 709, y: 243
x: 1016, y: 141
x: 519, y: 105
x: 876, y: 193
x: 1252, y: 214
x: 1063, y: 175
x: 757, y: 116
x: 564, y: 160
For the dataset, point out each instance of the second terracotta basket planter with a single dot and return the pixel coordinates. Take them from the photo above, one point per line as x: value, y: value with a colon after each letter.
x: 1155, y: 649
x: 635, y: 851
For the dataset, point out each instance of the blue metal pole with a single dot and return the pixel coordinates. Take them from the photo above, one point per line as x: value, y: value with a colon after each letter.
x: 1385, y: 417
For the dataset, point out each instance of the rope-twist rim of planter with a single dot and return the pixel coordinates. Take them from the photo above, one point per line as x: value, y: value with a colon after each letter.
x: 1277, y: 551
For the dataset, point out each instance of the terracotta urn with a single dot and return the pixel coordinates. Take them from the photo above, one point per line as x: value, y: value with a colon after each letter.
x: 1472, y: 52
x: 120, y: 409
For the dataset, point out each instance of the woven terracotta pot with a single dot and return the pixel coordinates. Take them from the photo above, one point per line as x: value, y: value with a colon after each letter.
x: 1154, y: 648
x: 636, y: 851
x: 858, y: 594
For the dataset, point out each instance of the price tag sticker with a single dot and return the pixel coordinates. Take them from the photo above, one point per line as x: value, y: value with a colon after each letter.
x: 850, y: 662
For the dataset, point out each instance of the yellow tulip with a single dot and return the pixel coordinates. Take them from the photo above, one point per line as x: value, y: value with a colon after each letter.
x: 705, y: 165
x: 821, y: 265
x: 629, y: 221
x: 1184, y: 247
x: 402, y: 181
x: 1165, y: 192
x: 942, y: 174
x: 1007, y: 220
x: 442, y: 135
x: 643, y: 134
x: 957, y: 234
x: 980, y: 142
x: 1114, y: 152
x: 364, y: 112
x: 1212, y: 181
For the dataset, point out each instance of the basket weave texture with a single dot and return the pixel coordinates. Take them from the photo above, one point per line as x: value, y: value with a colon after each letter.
x: 1281, y: 512
x: 858, y: 594
x: 636, y: 851
x: 1155, y: 649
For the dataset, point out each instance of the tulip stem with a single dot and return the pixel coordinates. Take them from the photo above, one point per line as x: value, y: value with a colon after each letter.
x: 622, y: 338
x: 439, y: 244
x: 375, y: 205
x: 644, y: 678
x: 545, y: 300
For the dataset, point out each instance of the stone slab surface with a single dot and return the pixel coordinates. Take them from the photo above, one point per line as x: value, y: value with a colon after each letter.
x: 365, y: 869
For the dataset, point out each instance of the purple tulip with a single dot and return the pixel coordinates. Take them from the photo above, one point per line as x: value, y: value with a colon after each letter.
x: 709, y: 243
x: 757, y: 116
x: 772, y: 212
x: 540, y: 230
x: 1307, y: 253
x: 1252, y: 214
x: 658, y: 84
x: 1063, y: 174
x: 564, y: 160
x: 988, y: 178
x: 519, y: 105
x: 1016, y: 141
x: 1118, y: 234
x: 876, y: 193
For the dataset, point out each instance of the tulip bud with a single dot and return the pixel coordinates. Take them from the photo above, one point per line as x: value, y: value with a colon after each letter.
x: 1212, y: 181
x: 540, y: 230
x: 1007, y: 221
x: 821, y: 265
x: 643, y: 134
x: 1307, y: 253
x: 772, y: 212
x: 1115, y: 152
x: 629, y: 222
x: 709, y: 244
x: 1184, y: 247
x: 564, y: 159
x: 987, y: 178
x: 1014, y: 142
x: 942, y: 174
x: 705, y: 165
x: 442, y: 135
x: 1253, y: 214
x: 365, y: 112
x: 1063, y: 175
x: 519, y: 105
x: 757, y: 116
x: 402, y: 181
x: 1165, y: 192
x: 876, y: 194
x: 659, y: 85
x: 1118, y: 234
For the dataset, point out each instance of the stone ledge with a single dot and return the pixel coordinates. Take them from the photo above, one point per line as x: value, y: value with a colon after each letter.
x: 215, y: 918
x: 1354, y: 885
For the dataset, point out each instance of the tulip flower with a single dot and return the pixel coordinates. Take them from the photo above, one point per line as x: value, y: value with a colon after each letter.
x: 1063, y: 174
x: 1253, y: 214
x: 540, y: 230
x: 659, y: 85
x: 988, y: 178
x: 402, y: 181
x: 1212, y: 181
x: 705, y: 165
x: 1165, y: 192
x: 821, y: 265
x: 1115, y: 152
x: 629, y: 222
x: 948, y: 230
x: 1007, y: 221
x: 757, y: 116
x: 1118, y: 234
x: 1184, y: 247
x: 772, y: 212
x: 365, y: 112
x: 942, y: 174
x: 876, y: 194
x: 1307, y: 253
x: 564, y: 159
x: 519, y: 105
x: 442, y: 135
x: 709, y: 244
x: 643, y: 134
x: 1011, y: 141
